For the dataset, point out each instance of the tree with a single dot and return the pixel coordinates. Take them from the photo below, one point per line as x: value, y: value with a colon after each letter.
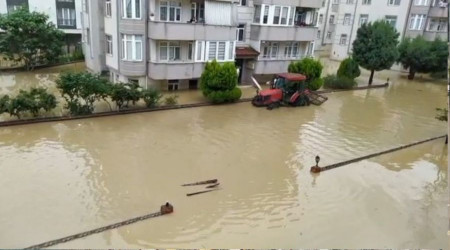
x: 4, y: 104
x: 415, y: 55
x: 30, y: 38
x: 81, y: 90
x: 123, y: 93
x: 309, y: 67
x: 439, y: 53
x: 375, y: 46
x: 31, y: 101
x: 151, y: 97
x: 219, y: 82
x: 349, y: 68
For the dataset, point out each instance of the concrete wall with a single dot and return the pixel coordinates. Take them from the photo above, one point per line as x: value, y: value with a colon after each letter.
x: 190, y: 31
x: 245, y: 16
x: 301, y: 3
x: 280, y: 33
x: 95, y: 50
x: 175, y: 70
x: 111, y: 28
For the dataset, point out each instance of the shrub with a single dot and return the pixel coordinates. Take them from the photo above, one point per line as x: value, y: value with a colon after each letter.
x: 171, y: 100
x: 31, y: 101
x: 218, y: 82
x: 315, y: 84
x: 151, y: 97
x: 309, y: 67
x: 124, y: 93
x: 4, y: 104
x: 225, y: 96
x: 81, y: 90
x: 335, y: 82
x: 349, y: 68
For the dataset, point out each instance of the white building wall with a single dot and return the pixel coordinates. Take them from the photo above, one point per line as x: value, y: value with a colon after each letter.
x: 245, y: 16
x: 3, y: 8
x: 111, y: 29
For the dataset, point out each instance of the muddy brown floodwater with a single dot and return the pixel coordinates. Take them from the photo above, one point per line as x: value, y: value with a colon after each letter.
x: 62, y: 178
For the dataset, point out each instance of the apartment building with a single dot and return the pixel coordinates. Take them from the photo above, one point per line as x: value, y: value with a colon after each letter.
x: 166, y: 43
x: 342, y: 18
x: 272, y: 34
x: 65, y: 14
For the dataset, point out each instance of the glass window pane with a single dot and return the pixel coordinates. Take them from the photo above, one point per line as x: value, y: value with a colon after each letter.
x: 284, y: 15
x: 171, y: 14
x: 257, y: 17
x: 128, y: 9
x: 212, y: 50
x: 276, y: 15
x: 129, y: 46
x: 138, y: 8
x: 266, y: 14
x: 163, y: 13
x: 221, y: 52
x: 162, y: 52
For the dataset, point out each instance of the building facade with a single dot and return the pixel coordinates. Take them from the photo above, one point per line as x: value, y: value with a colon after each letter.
x: 65, y: 14
x: 165, y: 44
x: 339, y: 21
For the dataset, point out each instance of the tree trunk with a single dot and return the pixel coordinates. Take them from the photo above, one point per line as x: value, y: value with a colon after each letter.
x: 371, y: 77
x: 446, y: 139
x: 411, y: 74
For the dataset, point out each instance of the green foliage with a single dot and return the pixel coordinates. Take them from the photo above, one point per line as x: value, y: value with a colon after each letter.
x: 375, y: 46
x: 218, y: 82
x: 225, y: 96
x: 124, y: 93
x: 81, y: 90
x: 171, y: 100
x: 77, y: 55
x: 30, y: 38
x: 422, y: 56
x: 349, y: 68
x: 4, y: 104
x: 151, y: 97
x: 442, y: 114
x: 335, y: 82
x: 309, y: 67
x: 315, y: 84
x: 31, y: 101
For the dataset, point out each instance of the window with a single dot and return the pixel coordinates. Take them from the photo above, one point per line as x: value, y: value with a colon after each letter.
x: 276, y: 15
x: 421, y: 2
x: 284, y: 15
x: 200, y: 54
x: 170, y: 11
x: 131, y: 9
x: 190, y: 51
x: 242, y: 2
x: 350, y: 1
x: 197, y: 12
x: 220, y: 50
x: 172, y: 85
x: 331, y: 19
x: 266, y: 14
x: 270, y: 49
x: 13, y: 5
x: 257, y: 16
x: 343, y: 40
x: 320, y: 18
x: 394, y: 2
x: 366, y: 2
x: 169, y: 51
x: 132, y: 47
x: 392, y: 20
x: 109, y: 47
x: 437, y: 24
x: 108, y: 8
x: 66, y: 17
x: 328, y: 35
x: 318, y: 34
x: 240, y: 32
x: 417, y: 22
x: 133, y: 81
x: 86, y: 6
x: 347, y: 18
x: 292, y: 50
x: 363, y: 18
x: 335, y: 1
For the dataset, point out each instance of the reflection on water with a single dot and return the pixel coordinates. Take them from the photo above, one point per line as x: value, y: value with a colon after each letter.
x: 63, y: 178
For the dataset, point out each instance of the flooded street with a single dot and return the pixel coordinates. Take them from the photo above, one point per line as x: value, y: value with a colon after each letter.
x: 63, y: 178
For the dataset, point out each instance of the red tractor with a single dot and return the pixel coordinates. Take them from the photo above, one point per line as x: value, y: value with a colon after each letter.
x: 285, y: 89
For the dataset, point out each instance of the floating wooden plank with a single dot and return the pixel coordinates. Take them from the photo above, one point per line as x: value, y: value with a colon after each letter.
x: 201, y: 192
x: 213, y: 185
x: 201, y: 183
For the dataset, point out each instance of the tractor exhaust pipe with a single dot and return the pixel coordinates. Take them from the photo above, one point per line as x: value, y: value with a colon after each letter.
x: 256, y: 84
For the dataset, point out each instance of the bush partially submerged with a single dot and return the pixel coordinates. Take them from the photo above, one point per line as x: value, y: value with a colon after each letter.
x: 124, y: 93
x: 171, y: 100
x: 32, y: 101
x: 335, y: 82
x: 349, y: 68
x: 151, y: 97
x: 315, y: 84
x: 218, y: 82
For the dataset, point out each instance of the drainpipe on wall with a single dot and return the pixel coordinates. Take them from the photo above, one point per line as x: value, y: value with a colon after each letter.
x: 407, y: 20
x: 326, y: 21
x: 351, y: 30
x: 147, y: 44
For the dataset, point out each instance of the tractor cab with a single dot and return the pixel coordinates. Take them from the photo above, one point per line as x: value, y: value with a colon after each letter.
x: 285, y: 88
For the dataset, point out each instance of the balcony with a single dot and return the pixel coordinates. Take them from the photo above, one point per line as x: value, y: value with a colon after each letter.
x: 302, y: 3
x: 175, y: 70
x: 67, y: 23
x: 190, y: 31
x: 437, y: 11
x: 283, y: 33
